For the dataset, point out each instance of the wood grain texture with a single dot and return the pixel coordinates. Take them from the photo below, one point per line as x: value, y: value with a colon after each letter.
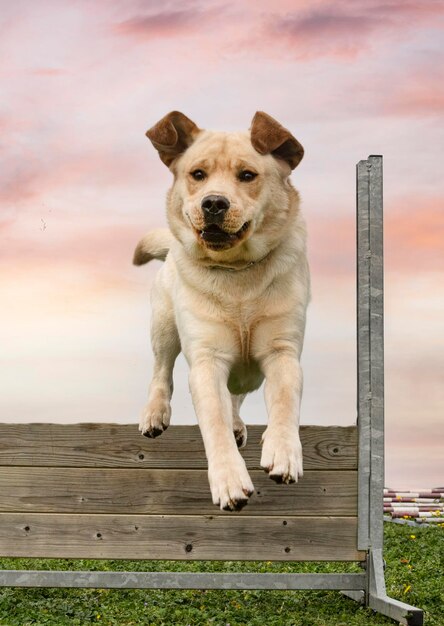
x: 179, y: 537
x: 168, y: 492
x: 114, y: 445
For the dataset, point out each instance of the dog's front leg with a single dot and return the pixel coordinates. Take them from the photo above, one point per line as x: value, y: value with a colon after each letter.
x: 230, y: 482
x: 165, y: 341
x: 281, y: 449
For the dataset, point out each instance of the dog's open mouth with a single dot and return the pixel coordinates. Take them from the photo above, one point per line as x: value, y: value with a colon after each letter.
x: 215, y: 236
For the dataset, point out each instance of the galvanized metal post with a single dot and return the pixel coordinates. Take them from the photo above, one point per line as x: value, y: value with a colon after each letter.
x: 376, y: 336
x: 363, y: 348
x: 370, y: 343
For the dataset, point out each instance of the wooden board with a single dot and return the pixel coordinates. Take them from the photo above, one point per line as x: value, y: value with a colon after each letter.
x: 114, y: 445
x: 104, y: 491
x: 179, y: 537
x: 168, y: 492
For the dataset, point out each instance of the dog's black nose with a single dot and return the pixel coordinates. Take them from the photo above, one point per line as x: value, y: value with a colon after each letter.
x: 215, y: 206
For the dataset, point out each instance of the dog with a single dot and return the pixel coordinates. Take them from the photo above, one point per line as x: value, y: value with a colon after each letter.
x: 232, y: 294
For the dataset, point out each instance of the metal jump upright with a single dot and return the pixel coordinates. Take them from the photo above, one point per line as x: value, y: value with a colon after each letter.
x: 103, y: 491
x: 370, y: 388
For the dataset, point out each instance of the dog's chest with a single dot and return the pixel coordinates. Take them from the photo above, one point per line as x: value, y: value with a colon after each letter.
x: 245, y: 373
x: 243, y: 311
x: 244, y: 342
x: 243, y: 321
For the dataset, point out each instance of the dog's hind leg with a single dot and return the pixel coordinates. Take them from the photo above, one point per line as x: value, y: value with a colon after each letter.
x: 166, y: 346
x: 239, y: 428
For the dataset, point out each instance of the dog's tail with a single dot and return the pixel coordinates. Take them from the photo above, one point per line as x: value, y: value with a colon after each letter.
x: 154, y: 245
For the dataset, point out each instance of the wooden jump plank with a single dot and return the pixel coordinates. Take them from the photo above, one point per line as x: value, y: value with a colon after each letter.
x: 114, y: 445
x: 186, y: 492
x: 179, y: 537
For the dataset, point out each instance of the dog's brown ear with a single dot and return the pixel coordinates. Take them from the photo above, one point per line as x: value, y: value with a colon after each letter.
x: 172, y: 135
x: 269, y: 137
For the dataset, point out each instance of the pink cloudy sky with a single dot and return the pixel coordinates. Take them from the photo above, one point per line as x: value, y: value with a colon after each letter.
x: 82, y: 81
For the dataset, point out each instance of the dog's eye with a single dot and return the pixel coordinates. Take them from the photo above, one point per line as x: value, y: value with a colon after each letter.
x: 246, y: 176
x: 198, y: 174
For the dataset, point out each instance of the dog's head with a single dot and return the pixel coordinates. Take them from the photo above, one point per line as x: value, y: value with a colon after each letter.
x: 231, y: 192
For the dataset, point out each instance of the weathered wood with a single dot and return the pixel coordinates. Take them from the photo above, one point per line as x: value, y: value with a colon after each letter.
x: 179, y: 537
x: 115, y: 445
x: 168, y: 492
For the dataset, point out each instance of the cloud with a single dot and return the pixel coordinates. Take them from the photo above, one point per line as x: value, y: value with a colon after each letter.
x: 326, y: 25
x: 413, y: 237
x: 93, y: 243
x: 167, y: 23
x: 48, y: 71
x: 414, y: 233
x: 29, y: 175
x: 420, y: 94
x: 64, y: 276
x: 348, y: 28
x: 18, y: 183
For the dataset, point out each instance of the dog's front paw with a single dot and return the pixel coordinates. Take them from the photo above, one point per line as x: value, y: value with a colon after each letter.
x: 230, y: 483
x: 155, y: 417
x: 282, y: 455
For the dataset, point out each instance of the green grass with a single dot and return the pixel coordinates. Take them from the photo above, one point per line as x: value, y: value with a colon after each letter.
x: 415, y: 574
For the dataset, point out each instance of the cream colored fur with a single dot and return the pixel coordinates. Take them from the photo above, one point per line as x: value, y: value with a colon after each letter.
x: 237, y: 314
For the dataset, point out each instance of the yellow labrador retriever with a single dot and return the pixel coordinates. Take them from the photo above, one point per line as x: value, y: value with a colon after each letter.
x: 232, y: 294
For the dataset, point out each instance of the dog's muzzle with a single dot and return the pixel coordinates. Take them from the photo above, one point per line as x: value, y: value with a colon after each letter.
x: 214, y: 208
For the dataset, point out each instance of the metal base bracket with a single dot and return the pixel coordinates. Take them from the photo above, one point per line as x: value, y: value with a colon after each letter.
x: 357, y: 596
x: 377, y: 599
